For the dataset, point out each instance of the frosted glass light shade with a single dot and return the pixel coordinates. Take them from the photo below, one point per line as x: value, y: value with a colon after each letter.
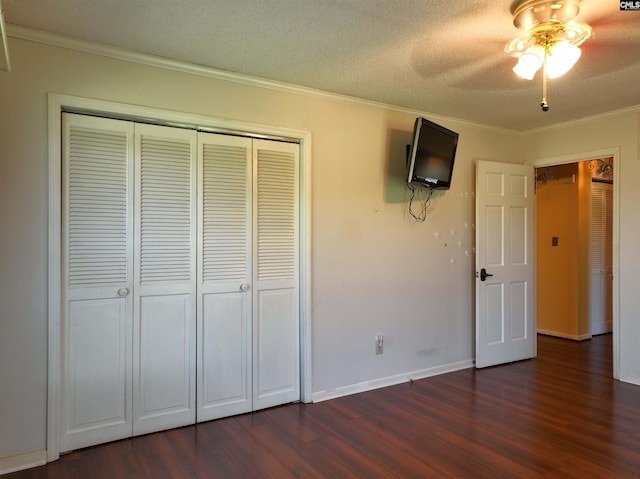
x: 529, y: 62
x: 562, y: 56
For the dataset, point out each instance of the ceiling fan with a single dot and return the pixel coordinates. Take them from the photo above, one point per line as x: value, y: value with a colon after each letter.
x: 484, y: 65
x: 549, y: 39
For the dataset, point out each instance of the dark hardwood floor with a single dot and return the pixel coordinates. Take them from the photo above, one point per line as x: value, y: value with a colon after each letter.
x: 558, y: 416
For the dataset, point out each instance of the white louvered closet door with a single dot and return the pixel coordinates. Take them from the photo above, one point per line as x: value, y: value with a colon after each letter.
x: 164, y: 353
x: 224, y: 276
x: 129, y: 266
x: 601, y: 278
x: 276, y: 362
x: 248, y: 356
x: 180, y: 255
x: 96, y: 394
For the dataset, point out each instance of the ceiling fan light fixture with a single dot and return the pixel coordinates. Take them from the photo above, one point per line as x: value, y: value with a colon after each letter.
x: 561, y: 58
x: 530, y: 62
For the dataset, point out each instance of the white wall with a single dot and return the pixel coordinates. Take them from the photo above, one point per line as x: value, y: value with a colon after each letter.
x: 622, y: 131
x: 373, y: 270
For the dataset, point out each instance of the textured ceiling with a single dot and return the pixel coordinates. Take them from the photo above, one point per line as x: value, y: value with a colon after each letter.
x: 443, y: 57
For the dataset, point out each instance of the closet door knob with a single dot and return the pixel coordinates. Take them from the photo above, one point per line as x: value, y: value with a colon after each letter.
x: 244, y: 287
x: 123, y: 292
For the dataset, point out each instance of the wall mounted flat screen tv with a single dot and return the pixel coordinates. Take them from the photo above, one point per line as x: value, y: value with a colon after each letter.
x: 431, y: 155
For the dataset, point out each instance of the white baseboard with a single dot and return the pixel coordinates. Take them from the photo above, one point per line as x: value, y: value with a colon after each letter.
x: 22, y: 461
x: 388, y: 381
x: 575, y: 337
x: 629, y: 379
x: 601, y: 328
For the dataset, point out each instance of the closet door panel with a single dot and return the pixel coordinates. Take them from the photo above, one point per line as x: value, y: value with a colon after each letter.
x: 276, y: 371
x: 96, y: 394
x: 164, y: 389
x: 224, y: 276
x: 165, y: 279
x: 226, y: 388
x: 276, y: 365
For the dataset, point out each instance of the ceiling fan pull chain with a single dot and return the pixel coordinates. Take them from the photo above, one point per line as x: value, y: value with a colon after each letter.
x: 544, y: 104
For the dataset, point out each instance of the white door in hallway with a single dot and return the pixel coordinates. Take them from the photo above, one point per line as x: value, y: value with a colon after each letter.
x: 505, y: 266
x: 601, y: 258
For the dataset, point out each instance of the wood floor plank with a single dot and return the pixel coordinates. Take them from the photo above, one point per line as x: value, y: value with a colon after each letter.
x: 560, y: 415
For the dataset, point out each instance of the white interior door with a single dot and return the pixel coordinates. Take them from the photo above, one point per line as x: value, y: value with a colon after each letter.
x: 601, y: 281
x: 276, y: 364
x: 505, y: 294
x: 164, y: 335
x: 224, y: 276
x: 96, y: 394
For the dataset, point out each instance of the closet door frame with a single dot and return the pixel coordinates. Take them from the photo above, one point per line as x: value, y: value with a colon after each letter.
x: 57, y: 104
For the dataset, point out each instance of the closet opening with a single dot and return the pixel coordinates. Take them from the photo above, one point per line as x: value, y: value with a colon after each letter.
x: 179, y: 270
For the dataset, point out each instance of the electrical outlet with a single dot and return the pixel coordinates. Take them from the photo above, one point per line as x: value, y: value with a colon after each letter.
x: 379, y: 344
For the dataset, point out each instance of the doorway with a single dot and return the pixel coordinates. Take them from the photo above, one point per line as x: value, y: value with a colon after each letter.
x: 576, y: 252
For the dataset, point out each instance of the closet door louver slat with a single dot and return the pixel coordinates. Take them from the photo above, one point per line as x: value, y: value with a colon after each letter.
x: 165, y: 197
x: 276, y: 215
x: 597, y: 229
x: 97, y: 207
x: 224, y: 213
x: 608, y: 230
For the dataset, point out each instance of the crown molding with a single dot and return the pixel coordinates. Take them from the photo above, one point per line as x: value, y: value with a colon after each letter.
x: 630, y: 110
x: 84, y: 46
x: 61, y: 41
x: 5, y: 62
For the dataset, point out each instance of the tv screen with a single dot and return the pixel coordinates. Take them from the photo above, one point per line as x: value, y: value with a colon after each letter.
x: 431, y: 155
